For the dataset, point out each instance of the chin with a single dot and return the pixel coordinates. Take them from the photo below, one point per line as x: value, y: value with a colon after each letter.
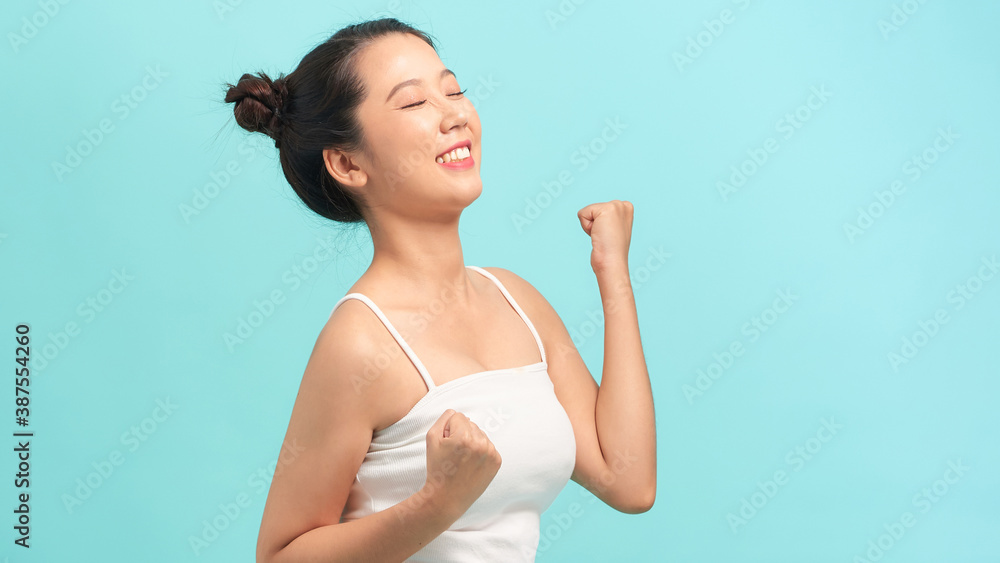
x: 474, y: 189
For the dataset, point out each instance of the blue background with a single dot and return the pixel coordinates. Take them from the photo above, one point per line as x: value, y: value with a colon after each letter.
x: 698, y: 93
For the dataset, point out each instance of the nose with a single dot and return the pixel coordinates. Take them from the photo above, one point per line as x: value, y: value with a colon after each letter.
x: 455, y: 115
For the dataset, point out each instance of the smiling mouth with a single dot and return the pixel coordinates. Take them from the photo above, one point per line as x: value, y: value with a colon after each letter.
x: 456, y: 155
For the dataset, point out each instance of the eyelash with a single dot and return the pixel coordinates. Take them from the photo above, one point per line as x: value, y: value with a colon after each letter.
x: 422, y: 101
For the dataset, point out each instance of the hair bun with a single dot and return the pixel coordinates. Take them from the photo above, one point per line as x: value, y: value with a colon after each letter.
x: 259, y: 103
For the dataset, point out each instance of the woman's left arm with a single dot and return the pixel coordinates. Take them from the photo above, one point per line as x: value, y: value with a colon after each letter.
x: 614, y: 423
x: 624, y: 415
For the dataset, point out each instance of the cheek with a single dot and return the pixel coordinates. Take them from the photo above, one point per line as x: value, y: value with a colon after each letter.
x: 409, y: 146
x: 418, y: 140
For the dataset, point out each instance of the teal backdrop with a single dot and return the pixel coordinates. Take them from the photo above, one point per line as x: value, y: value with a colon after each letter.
x: 814, y: 259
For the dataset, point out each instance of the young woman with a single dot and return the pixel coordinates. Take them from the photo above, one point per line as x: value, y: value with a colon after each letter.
x: 445, y: 444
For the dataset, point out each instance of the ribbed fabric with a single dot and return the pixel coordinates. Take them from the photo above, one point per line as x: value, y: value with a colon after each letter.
x: 518, y: 410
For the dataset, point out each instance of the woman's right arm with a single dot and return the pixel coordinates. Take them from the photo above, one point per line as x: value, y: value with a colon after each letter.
x: 328, y: 436
x: 392, y: 534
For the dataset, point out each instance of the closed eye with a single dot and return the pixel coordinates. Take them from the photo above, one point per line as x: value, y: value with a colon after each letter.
x: 422, y: 101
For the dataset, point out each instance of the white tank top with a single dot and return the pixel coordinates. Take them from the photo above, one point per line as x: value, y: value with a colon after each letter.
x: 518, y: 410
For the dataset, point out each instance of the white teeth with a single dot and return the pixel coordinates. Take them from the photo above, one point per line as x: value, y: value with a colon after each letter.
x: 460, y: 153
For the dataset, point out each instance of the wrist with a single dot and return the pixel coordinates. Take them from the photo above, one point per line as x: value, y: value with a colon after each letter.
x: 437, y: 503
x: 611, y: 266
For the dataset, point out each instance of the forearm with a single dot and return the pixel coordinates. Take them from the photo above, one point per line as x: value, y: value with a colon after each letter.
x: 393, y: 534
x: 626, y: 425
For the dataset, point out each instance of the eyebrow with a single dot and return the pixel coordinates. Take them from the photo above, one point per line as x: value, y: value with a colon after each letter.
x: 412, y: 81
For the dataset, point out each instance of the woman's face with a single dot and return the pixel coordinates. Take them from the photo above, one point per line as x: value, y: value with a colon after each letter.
x: 414, y: 112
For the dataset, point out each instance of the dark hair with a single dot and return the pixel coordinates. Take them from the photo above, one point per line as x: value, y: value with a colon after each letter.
x: 315, y: 108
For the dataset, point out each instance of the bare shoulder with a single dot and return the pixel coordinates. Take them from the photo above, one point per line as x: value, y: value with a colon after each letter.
x: 346, y: 341
x: 329, y: 430
x: 523, y: 292
x: 535, y: 306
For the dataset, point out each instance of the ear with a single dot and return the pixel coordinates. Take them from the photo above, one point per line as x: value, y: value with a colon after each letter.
x: 344, y: 168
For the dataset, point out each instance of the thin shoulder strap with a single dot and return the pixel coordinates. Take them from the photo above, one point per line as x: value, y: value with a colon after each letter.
x: 395, y: 334
x: 513, y: 303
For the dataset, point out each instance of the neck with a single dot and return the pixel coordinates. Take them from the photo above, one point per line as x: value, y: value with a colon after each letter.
x: 425, y: 258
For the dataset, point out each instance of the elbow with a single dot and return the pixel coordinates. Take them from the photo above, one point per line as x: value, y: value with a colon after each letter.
x: 272, y: 556
x: 639, y: 504
x: 269, y: 553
